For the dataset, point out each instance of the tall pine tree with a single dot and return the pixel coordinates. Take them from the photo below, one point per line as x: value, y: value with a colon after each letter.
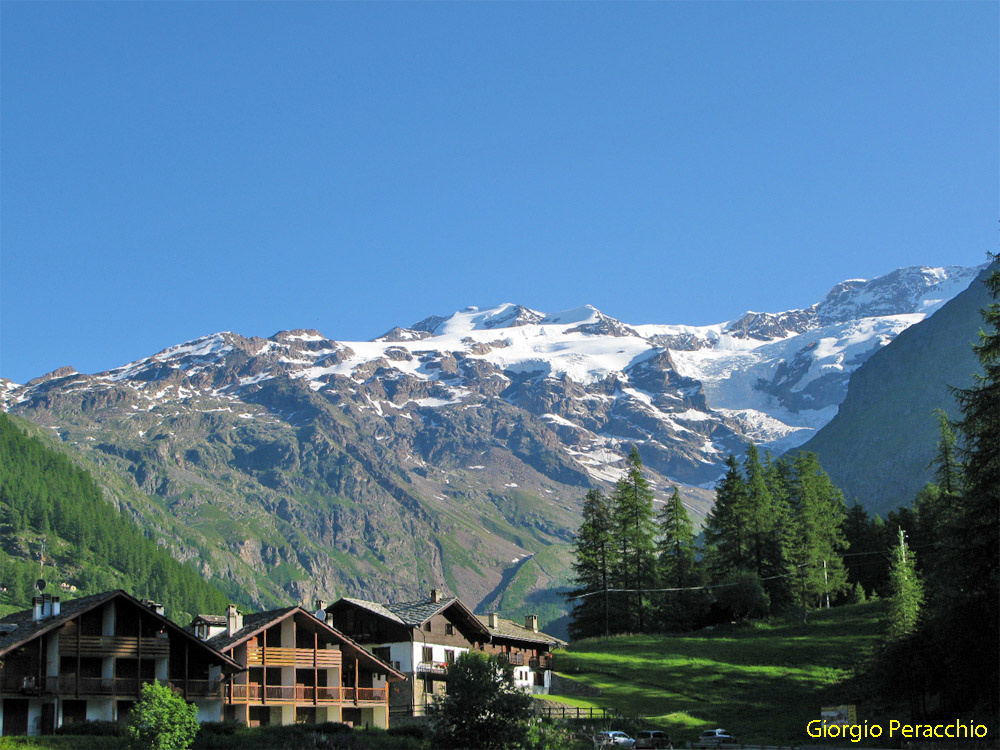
x: 595, y: 558
x: 632, y: 512
x: 725, y: 528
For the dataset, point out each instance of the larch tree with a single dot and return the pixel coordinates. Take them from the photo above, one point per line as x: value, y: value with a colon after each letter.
x: 632, y: 512
x: 595, y: 557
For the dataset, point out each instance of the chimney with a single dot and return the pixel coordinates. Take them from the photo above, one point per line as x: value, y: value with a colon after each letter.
x: 155, y: 606
x: 46, y: 605
x: 320, y: 604
x: 56, y: 606
x: 329, y: 619
x: 531, y: 623
x: 36, y: 608
x: 435, y: 595
x: 234, y: 619
x: 494, y: 620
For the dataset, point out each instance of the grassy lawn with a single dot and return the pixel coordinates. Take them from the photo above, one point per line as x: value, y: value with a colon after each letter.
x: 763, y: 682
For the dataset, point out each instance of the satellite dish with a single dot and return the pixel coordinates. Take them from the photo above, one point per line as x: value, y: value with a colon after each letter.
x: 40, y: 584
x: 320, y: 614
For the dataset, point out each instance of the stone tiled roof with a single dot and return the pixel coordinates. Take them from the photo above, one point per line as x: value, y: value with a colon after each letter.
x: 378, y: 609
x: 21, y: 626
x: 511, y: 629
x: 416, y: 613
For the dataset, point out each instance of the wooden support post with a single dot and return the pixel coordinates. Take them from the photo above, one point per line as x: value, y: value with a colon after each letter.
x: 187, y: 660
x: 79, y: 628
x: 357, y: 680
x: 315, y: 667
x: 138, y: 659
x: 263, y: 661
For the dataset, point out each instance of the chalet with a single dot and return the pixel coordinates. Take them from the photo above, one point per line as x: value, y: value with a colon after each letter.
x: 419, y: 638
x: 296, y: 668
x: 422, y: 638
x: 525, y: 647
x: 86, y: 659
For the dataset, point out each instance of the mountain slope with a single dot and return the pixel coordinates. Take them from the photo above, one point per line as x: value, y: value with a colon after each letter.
x: 56, y: 520
x: 878, y: 447
x: 449, y: 452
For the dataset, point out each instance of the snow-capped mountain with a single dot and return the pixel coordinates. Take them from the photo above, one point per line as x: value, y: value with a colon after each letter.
x: 479, y: 424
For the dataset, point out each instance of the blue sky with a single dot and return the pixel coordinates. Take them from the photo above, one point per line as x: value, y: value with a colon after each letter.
x: 174, y: 169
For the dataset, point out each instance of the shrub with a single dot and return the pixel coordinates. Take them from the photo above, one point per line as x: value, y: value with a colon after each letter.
x: 161, y: 720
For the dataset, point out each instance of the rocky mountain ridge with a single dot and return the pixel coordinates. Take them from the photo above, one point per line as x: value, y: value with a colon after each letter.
x: 458, y: 448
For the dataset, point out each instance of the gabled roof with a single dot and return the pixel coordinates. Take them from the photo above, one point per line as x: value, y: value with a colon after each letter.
x: 252, y: 624
x: 514, y: 631
x: 25, y: 628
x: 260, y: 621
x: 415, y: 613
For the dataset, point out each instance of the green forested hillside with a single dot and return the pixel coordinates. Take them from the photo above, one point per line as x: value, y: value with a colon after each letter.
x: 55, y: 522
x: 878, y: 447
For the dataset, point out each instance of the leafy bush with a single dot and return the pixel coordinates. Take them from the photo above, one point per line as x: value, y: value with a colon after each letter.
x: 161, y: 720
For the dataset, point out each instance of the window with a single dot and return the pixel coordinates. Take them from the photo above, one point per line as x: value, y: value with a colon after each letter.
x: 382, y: 653
x: 449, y: 629
x: 428, y: 654
x: 427, y: 626
x: 449, y: 656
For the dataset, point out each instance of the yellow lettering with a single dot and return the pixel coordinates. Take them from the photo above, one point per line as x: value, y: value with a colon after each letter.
x: 946, y: 728
x: 879, y: 728
x: 936, y: 732
x: 907, y: 730
x: 893, y: 726
x: 856, y: 732
x: 976, y: 731
x: 812, y: 731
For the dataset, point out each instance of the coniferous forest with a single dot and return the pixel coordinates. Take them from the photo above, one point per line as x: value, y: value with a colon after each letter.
x: 56, y: 524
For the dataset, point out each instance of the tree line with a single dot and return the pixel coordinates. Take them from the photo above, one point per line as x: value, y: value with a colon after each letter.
x: 46, y: 499
x: 772, y: 542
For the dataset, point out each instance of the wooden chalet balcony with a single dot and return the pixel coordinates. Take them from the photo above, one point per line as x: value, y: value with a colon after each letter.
x: 298, y: 694
x: 258, y: 656
x: 543, y: 661
x: 516, y: 659
x: 433, y: 667
x: 105, y: 686
x: 115, y: 645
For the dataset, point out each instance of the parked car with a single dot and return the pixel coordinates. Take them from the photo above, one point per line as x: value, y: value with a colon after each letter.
x: 716, y: 737
x: 653, y: 738
x: 608, y: 739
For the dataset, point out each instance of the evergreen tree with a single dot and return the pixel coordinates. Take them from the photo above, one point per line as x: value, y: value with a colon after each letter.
x: 678, y: 610
x: 676, y: 544
x: 594, y: 558
x: 632, y: 511
x: 819, y: 513
x: 968, y: 601
x: 906, y: 592
x: 947, y: 471
x: 725, y: 530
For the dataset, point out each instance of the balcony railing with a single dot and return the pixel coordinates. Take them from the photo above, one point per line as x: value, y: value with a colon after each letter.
x: 293, y: 657
x: 544, y: 661
x: 256, y: 693
x: 104, y: 686
x: 433, y: 667
x: 114, y: 645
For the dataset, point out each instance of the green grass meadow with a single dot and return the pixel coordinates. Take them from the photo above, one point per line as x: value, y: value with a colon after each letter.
x: 763, y: 682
